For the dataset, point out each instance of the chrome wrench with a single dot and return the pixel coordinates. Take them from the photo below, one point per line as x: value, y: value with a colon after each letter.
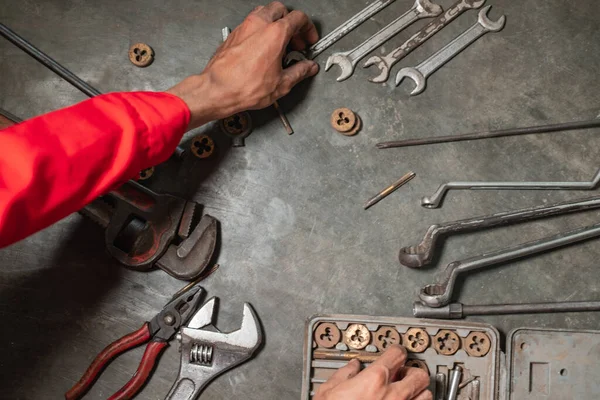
x: 440, y: 294
x: 435, y: 200
x: 421, y: 72
x: 349, y: 59
x: 341, y: 31
x: 385, y: 63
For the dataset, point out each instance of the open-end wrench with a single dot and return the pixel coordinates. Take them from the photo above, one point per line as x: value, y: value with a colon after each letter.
x: 207, y: 353
x: 349, y: 59
x: 440, y: 294
x: 385, y: 63
x: 421, y: 255
x: 435, y: 199
x: 341, y: 31
x: 421, y: 72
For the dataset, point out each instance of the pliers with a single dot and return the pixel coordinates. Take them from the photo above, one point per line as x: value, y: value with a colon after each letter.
x: 158, y: 332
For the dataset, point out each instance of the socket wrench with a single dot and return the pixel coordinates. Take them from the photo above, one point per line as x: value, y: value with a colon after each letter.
x: 421, y: 72
x: 440, y: 294
x: 349, y: 59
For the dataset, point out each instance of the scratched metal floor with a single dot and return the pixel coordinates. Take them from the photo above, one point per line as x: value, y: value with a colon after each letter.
x: 295, y: 240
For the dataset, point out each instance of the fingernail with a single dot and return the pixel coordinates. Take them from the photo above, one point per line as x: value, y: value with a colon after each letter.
x: 314, y: 68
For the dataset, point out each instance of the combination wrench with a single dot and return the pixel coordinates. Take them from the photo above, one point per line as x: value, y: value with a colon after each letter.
x: 422, y: 254
x: 435, y: 200
x: 341, y: 31
x: 440, y: 294
x: 385, y: 63
x: 421, y: 72
x: 349, y: 59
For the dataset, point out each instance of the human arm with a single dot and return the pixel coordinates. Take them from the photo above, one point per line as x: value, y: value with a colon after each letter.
x: 55, y: 164
x: 385, y: 379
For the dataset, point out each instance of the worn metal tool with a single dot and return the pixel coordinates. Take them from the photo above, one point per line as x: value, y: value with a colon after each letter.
x: 421, y: 72
x: 207, y: 353
x: 158, y: 332
x: 567, y: 126
x: 422, y: 254
x: 440, y: 294
x: 440, y: 386
x: 58, y: 69
x: 453, y: 387
x: 349, y: 59
x: 385, y: 63
x: 326, y: 41
x: 435, y: 199
x: 389, y: 190
x: 459, y: 310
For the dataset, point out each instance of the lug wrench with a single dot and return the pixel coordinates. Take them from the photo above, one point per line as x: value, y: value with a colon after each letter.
x: 385, y: 63
x: 459, y: 310
x: 420, y: 73
x: 58, y: 69
x: 347, y: 60
x: 440, y: 294
x: 435, y: 200
x: 421, y: 255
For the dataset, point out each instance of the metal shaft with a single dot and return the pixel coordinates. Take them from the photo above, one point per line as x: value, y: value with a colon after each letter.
x: 334, y: 355
x: 389, y: 190
x: 453, y: 387
x: 529, y: 130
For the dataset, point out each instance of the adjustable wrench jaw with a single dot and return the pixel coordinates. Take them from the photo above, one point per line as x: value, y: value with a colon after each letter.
x: 207, y: 354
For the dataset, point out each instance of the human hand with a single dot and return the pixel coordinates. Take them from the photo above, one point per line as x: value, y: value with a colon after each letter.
x: 385, y: 379
x: 246, y: 72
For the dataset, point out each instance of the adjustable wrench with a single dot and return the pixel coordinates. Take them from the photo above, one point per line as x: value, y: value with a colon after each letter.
x: 440, y: 294
x: 341, y: 31
x: 435, y: 200
x: 420, y: 73
x: 421, y: 255
x: 347, y: 60
x: 385, y: 63
x: 206, y: 354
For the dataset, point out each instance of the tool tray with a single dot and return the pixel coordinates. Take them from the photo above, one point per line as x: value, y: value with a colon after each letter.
x: 541, y: 363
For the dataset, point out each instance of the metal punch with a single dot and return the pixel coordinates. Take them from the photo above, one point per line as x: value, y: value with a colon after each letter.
x: 435, y: 199
x: 440, y: 294
x: 422, y: 254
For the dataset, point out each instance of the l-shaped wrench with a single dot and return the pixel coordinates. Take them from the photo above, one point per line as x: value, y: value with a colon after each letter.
x: 435, y: 199
x: 347, y: 60
x: 421, y: 255
x: 440, y: 294
x: 338, y: 33
x: 385, y: 63
x: 421, y: 72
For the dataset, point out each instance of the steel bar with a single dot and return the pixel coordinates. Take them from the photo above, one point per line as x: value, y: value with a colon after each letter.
x: 422, y: 254
x: 334, y: 355
x: 459, y: 310
x: 389, y: 190
x: 529, y: 130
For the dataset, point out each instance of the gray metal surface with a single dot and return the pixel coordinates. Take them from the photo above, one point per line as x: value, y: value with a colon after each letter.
x: 296, y: 241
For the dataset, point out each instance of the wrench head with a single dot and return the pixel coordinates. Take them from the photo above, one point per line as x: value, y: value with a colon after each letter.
x: 474, y: 3
x: 427, y: 8
x: 415, y: 75
x: 293, y: 57
x: 492, y: 26
x: 343, y: 61
x: 434, y: 295
x: 383, y: 68
x: 204, y: 316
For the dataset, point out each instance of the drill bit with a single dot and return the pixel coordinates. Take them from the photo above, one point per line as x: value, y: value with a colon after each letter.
x: 389, y: 190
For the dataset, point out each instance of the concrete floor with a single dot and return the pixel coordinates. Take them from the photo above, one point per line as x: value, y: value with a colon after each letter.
x: 295, y: 240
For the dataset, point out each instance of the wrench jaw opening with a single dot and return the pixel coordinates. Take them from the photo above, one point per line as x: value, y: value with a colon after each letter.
x: 343, y: 61
x: 383, y: 68
x: 420, y: 255
x: 435, y: 199
x: 293, y: 57
x: 428, y: 9
x: 416, y: 76
x: 435, y: 295
x: 491, y: 26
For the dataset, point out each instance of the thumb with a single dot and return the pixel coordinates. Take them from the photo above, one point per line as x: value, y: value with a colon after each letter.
x: 295, y: 74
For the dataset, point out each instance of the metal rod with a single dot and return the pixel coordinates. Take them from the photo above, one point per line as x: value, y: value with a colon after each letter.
x: 455, y: 377
x: 529, y: 130
x: 389, y: 190
x: 284, y: 120
x: 46, y: 60
x: 335, y: 355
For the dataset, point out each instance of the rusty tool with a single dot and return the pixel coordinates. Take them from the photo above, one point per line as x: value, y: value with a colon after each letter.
x: 58, y: 69
x: 389, y: 190
x: 529, y: 130
x: 421, y: 255
x: 335, y: 355
x: 459, y: 310
x: 435, y: 200
x: 440, y: 294
x: 158, y: 332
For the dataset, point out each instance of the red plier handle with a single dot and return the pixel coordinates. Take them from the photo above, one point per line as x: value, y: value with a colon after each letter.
x: 114, y: 349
